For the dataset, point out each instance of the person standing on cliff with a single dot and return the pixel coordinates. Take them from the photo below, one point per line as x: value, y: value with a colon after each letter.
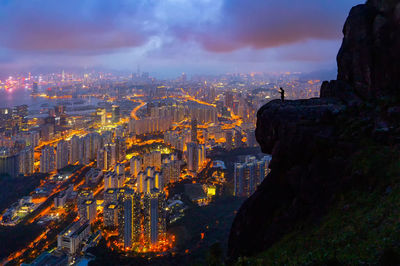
x: 282, y: 92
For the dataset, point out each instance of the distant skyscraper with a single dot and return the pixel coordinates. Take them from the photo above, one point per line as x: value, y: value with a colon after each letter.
x: 192, y: 156
x: 62, y: 154
x: 249, y: 174
x: 88, y: 210
x: 135, y: 166
x: 130, y: 228
x: 228, y: 99
x: 194, y: 130
x: 154, y: 227
x: 35, y: 88
x: 47, y: 162
x: 120, y: 149
x: 26, y: 161
x: 115, y: 114
x: 74, y: 154
x: 102, y: 116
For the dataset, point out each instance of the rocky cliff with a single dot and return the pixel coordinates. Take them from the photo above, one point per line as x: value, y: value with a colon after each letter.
x: 314, y: 142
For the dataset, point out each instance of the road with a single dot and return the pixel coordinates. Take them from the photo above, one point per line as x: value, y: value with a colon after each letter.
x: 134, y: 111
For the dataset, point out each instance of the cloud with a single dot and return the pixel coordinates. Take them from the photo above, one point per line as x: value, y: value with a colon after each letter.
x: 73, y: 26
x: 211, y: 34
x: 261, y: 24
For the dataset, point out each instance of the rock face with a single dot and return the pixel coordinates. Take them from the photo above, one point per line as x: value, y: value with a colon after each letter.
x: 310, y: 156
x: 369, y: 57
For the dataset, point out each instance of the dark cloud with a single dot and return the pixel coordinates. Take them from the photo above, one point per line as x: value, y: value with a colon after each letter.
x: 73, y: 26
x: 270, y: 23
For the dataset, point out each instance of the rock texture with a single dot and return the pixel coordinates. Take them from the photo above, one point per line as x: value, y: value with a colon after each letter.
x: 307, y: 139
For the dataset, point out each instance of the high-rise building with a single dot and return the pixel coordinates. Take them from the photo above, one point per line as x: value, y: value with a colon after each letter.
x: 35, y: 88
x: 194, y: 130
x: 171, y: 169
x: 26, y: 161
x: 47, y: 162
x: 120, y: 149
x: 130, y: 227
x: 249, y: 174
x: 62, y: 155
x: 152, y: 159
x: 192, y: 156
x: 106, y: 157
x: 111, y: 215
x: 115, y: 117
x: 229, y: 99
x: 74, y: 154
x: 102, y: 116
x: 229, y: 139
x: 88, y: 210
x: 120, y: 169
x: 201, y: 154
x: 154, y: 227
x: 135, y: 166
x: 113, y: 180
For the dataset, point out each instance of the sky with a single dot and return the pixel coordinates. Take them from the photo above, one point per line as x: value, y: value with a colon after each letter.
x: 168, y: 37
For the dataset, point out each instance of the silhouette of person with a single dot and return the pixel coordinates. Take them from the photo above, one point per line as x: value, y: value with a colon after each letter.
x: 282, y: 92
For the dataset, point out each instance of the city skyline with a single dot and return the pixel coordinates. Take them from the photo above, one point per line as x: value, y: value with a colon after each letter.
x: 171, y: 37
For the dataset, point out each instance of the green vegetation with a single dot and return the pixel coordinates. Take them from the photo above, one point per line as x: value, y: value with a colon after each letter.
x: 363, y: 227
x: 11, y: 189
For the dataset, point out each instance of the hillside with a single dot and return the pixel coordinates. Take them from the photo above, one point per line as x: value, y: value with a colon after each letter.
x: 332, y: 194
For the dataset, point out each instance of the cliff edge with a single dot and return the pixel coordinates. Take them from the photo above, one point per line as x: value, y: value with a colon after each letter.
x: 316, y: 143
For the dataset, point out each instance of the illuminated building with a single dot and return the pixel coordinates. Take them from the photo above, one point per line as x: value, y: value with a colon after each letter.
x: 201, y: 154
x: 228, y: 99
x: 93, y: 176
x: 152, y: 159
x: 171, y: 169
x: 110, y: 196
x: 71, y: 237
x: 62, y: 154
x: 158, y: 181
x: 8, y: 162
x: 106, y: 157
x: 251, y: 137
x: 35, y: 88
x: 120, y: 149
x: 113, y: 180
x: 116, y: 116
x: 154, y: 227
x: 151, y: 125
x: 47, y: 162
x: 26, y: 161
x: 106, y: 137
x: 238, y: 138
x: 88, y: 152
x: 61, y: 198
x: 192, y: 156
x: 130, y: 220
x: 135, y: 166
x: 88, y: 210
x: 74, y: 155
x: 120, y: 169
x: 96, y: 144
x: 249, y: 174
x: 229, y: 139
x: 193, y: 130
x: 111, y: 215
x: 47, y: 132
x: 102, y: 116
x: 141, y: 182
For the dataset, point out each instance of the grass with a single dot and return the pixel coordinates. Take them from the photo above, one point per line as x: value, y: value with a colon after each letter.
x: 363, y: 227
